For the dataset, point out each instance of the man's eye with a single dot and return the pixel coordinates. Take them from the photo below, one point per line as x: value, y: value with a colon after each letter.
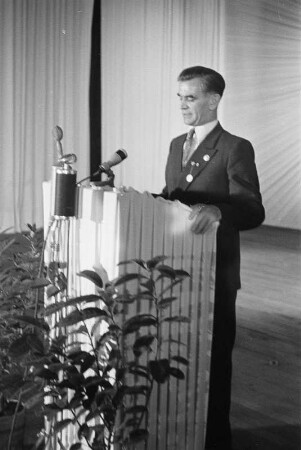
x: 189, y: 98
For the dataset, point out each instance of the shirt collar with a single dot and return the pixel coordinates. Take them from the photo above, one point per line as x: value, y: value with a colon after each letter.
x: 202, y: 131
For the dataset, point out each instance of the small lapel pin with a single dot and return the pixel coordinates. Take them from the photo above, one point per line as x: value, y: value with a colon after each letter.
x: 206, y: 158
x: 189, y: 178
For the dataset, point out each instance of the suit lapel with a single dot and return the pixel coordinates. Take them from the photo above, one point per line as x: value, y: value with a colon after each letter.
x: 202, y: 156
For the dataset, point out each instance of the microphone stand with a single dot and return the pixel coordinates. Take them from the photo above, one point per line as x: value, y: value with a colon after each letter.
x: 108, y: 182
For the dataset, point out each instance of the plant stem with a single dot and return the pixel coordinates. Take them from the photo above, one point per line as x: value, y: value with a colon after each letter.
x: 92, y: 344
x: 158, y: 336
x: 79, y: 424
x: 14, y: 421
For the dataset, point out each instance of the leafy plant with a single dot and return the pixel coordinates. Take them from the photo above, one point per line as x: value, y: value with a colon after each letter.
x: 104, y: 357
x: 21, y: 310
x: 97, y: 357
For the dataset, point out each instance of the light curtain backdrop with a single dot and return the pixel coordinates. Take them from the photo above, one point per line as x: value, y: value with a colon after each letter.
x: 44, y: 81
x: 256, y: 46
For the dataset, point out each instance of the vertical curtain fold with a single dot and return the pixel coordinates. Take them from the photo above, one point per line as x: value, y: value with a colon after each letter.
x: 45, y: 68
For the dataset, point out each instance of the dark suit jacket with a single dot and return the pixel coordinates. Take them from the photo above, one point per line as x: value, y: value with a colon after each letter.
x: 226, y: 177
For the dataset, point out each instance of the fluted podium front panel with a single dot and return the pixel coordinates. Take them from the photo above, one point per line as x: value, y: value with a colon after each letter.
x: 114, y: 226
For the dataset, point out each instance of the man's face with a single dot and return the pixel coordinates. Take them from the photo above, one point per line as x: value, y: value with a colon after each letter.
x: 197, y: 106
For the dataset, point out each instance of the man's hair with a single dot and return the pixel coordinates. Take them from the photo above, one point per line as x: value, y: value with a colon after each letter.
x: 211, y: 80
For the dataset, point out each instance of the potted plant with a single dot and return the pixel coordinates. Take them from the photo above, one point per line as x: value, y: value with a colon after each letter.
x: 21, y: 295
x: 103, y: 360
x: 99, y: 359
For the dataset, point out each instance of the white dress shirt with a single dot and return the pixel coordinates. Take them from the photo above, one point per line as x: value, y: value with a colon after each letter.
x: 203, y: 130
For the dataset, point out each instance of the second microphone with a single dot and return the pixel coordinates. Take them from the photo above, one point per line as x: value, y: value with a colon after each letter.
x: 115, y: 159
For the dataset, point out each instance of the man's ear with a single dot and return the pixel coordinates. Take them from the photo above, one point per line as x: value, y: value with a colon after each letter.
x: 214, y: 101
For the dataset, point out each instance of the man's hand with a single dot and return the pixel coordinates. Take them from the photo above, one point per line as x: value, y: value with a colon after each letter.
x: 203, y: 217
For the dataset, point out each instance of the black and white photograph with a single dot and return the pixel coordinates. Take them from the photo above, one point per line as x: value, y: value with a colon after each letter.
x: 150, y: 225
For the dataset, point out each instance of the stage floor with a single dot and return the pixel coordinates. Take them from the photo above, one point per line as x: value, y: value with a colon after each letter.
x: 266, y: 395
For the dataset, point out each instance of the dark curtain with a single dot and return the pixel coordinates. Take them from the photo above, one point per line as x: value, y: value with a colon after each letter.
x: 95, y: 90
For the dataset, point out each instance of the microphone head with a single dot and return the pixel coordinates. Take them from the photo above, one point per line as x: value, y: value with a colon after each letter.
x: 57, y: 133
x: 69, y: 158
x: 122, y: 153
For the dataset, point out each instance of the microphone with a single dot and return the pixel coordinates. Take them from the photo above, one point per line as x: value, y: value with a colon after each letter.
x: 105, y: 167
x: 69, y: 158
x: 115, y: 159
x: 57, y: 133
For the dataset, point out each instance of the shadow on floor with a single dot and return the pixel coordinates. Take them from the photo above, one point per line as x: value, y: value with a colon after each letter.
x: 286, y: 437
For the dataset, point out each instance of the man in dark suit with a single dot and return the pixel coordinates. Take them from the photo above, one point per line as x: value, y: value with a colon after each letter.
x: 214, y: 172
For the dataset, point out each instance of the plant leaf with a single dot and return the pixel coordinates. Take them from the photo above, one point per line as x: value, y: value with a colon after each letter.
x: 183, y: 319
x: 180, y: 273
x: 159, y: 369
x: 4, y: 245
x: 144, y: 295
x: 142, y: 342
x: 61, y: 424
x: 140, y: 262
x: 149, y: 285
x: 127, y: 277
x: 38, y: 283
x: 170, y: 286
x: 97, y: 381
x: 138, y: 435
x: 134, y: 323
x: 181, y: 360
x: 92, y: 414
x: 52, y: 290
x: 62, y: 280
x: 29, y: 320
x: 125, y: 297
x: 35, y: 343
x: 92, y: 276
x: 141, y: 373
x: 34, y: 400
x: 79, y: 315
x: 87, y: 363
x: 19, y: 347
x: 137, y: 390
x: 136, y: 409
x: 76, y: 446
x: 165, y: 302
x: 177, y: 373
x: 166, y: 271
x: 34, y: 283
x: 151, y: 263
x: 56, y: 367
x: 76, y: 401
x: 51, y: 309
x: 46, y: 374
x: 76, y: 380
x: 84, y: 431
x: 51, y: 408
x: 120, y: 373
x: 77, y: 356
x: 105, y: 338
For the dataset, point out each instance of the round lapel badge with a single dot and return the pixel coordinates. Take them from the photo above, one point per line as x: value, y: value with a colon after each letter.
x: 206, y: 158
x: 189, y: 178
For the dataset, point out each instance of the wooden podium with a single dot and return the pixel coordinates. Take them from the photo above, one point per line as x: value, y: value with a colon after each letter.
x: 117, y: 225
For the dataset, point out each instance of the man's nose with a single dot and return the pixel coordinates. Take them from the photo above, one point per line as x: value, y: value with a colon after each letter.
x: 183, y: 104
